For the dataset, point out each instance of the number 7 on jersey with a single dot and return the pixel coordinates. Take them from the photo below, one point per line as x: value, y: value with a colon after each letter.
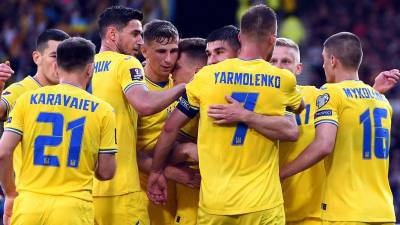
x: 249, y: 99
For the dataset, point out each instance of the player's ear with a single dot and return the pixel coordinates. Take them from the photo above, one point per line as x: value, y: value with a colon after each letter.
x: 299, y: 68
x: 333, y: 60
x: 112, y: 33
x: 89, y: 70
x: 143, y: 49
x: 36, y: 56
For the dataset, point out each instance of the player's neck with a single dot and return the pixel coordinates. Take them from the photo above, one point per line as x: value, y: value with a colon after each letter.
x: 251, y: 51
x: 74, y: 79
x: 154, y: 76
x: 41, y: 79
x: 107, y: 47
x: 346, y: 75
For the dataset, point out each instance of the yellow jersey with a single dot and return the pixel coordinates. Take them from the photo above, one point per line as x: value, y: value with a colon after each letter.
x: 114, y: 74
x: 63, y: 130
x: 149, y: 127
x: 191, y: 128
x: 302, y: 193
x: 239, y: 166
x: 9, y: 97
x: 356, y: 186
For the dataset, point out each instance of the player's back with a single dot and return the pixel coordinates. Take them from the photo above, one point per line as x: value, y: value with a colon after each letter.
x: 61, y: 131
x: 309, y: 182
x: 239, y: 166
x: 114, y: 74
x: 357, y: 186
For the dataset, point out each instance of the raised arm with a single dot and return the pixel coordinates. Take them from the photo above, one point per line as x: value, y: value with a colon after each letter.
x: 148, y: 102
x: 5, y: 73
x: 386, y: 80
x: 273, y: 127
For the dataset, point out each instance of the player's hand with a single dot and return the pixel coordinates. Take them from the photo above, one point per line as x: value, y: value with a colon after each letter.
x: 157, y: 188
x: 227, y: 113
x: 5, y: 72
x: 8, y: 208
x: 386, y: 80
x: 184, y: 175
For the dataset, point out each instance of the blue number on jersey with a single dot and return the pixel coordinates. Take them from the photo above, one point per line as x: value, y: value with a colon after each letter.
x: 249, y: 99
x: 381, y: 139
x: 307, y: 116
x: 57, y: 120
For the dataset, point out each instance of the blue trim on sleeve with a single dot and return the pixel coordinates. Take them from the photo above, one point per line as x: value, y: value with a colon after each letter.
x: 14, y: 130
x: 327, y: 121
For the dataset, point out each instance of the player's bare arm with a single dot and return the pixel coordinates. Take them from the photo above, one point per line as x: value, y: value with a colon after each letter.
x: 8, y: 143
x: 386, y: 80
x: 5, y: 73
x: 180, y: 174
x: 272, y: 127
x: 325, y: 137
x: 156, y: 187
x: 183, y: 152
x: 148, y: 102
x: 106, y: 166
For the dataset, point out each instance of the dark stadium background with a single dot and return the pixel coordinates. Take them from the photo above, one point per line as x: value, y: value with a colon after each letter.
x: 309, y: 22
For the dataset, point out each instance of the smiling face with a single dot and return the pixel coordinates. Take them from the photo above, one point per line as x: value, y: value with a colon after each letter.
x: 218, y: 51
x: 130, y: 38
x: 161, y: 57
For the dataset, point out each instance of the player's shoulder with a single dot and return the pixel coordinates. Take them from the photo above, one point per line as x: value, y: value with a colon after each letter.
x: 117, y: 58
x: 308, y: 89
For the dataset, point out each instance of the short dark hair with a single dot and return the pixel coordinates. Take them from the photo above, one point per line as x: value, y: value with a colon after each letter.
x: 258, y: 21
x: 194, y: 48
x: 227, y: 33
x: 50, y: 35
x: 118, y: 16
x: 161, y: 31
x: 75, y: 53
x: 346, y: 47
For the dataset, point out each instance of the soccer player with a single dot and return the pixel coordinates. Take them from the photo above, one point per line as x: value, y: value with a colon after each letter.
x: 240, y: 182
x: 118, y: 79
x: 67, y: 136
x: 192, y: 57
x: 352, y: 131
x: 304, y: 208
x: 222, y: 44
x: 160, y: 50
x: 45, y: 58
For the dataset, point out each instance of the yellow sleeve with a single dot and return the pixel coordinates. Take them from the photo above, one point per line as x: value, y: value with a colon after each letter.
x: 293, y: 92
x: 327, y: 103
x: 108, y: 141
x: 189, y: 102
x: 130, y: 73
x: 11, y: 94
x: 15, y: 121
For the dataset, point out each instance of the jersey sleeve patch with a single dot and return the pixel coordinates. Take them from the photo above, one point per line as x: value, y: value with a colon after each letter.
x: 136, y: 74
x: 322, y: 100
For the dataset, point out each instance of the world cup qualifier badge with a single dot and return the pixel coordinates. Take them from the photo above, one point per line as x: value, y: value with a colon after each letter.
x: 322, y: 100
x: 136, y: 74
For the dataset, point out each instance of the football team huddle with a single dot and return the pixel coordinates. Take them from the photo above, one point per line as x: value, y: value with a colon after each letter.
x: 211, y: 131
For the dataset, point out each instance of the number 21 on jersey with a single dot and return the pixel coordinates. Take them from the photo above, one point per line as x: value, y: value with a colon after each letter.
x: 57, y: 121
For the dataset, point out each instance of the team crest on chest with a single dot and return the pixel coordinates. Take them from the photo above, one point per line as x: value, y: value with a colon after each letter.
x: 322, y: 100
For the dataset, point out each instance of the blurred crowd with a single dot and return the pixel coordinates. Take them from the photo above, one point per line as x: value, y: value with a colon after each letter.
x: 310, y: 22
